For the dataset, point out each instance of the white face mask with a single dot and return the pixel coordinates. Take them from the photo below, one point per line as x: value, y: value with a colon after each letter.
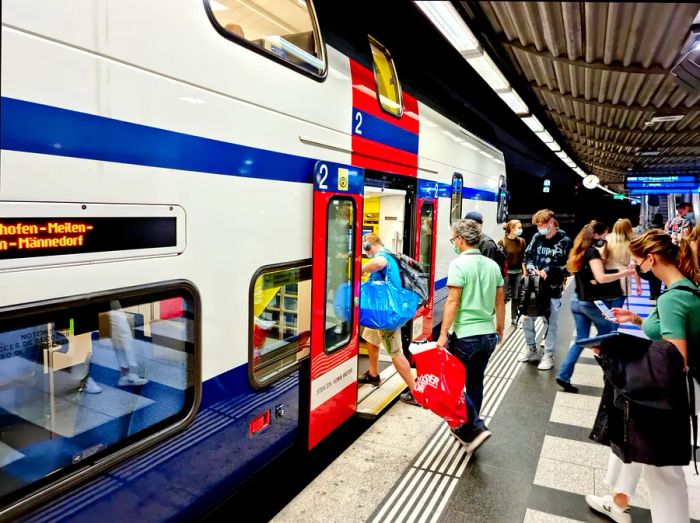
x: 544, y: 231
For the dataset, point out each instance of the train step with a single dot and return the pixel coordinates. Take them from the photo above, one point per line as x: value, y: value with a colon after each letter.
x: 372, y: 401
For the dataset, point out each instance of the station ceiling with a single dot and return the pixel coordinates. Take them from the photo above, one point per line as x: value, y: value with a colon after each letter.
x: 600, y: 72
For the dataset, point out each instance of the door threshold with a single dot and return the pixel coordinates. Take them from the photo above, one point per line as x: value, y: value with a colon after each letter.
x: 372, y: 401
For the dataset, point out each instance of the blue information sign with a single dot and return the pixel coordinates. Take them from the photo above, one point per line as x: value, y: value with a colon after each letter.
x: 661, y: 184
x: 338, y: 178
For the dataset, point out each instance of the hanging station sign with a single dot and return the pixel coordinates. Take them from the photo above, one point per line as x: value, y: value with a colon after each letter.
x: 661, y: 184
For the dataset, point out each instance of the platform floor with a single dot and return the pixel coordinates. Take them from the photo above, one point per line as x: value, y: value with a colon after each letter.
x: 536, y: 467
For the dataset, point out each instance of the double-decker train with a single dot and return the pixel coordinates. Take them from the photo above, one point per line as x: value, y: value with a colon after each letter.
x: 183, y: 194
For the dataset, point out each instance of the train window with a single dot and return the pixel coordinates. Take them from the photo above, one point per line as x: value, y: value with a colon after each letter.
x: 286, y: 30
x: 503, y: 200
x: 427, y: 213
x: 340, y: 253
x: 456, y: 199
x: 281, y: 320
x: 84, y: 378
x: 388, y: 86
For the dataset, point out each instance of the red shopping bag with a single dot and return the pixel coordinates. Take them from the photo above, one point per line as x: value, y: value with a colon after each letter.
x: 440, y: 383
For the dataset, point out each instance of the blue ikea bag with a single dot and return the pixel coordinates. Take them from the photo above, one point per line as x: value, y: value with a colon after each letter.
x: 384, y: 306
x: 341, y: 303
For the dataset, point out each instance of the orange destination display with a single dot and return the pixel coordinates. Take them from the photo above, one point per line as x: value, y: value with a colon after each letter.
x: 31, y: 237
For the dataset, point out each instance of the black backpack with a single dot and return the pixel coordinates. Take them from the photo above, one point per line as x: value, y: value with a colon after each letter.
x: 533, y: 296
x: 413, y: 277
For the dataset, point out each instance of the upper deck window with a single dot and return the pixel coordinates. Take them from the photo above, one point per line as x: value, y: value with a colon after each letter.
x: 388, y: 86
x: 284, y: 29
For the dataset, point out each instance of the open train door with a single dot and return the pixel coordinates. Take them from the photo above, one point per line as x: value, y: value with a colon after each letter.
x: 335, y: 291
x: 425, y: 240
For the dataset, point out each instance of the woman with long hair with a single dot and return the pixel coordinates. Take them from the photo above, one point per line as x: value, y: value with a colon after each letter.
x: 676, y: 319
x: 514, y: 247
x: 592, y: 283
x: 616, y: 253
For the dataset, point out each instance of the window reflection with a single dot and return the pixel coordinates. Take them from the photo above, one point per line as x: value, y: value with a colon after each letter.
x: 426, y: 236
x: 340, y: 244
x: 79, y: 380
x: 283, y: 28
x: 281, y: 320
x: 456, y: 198
x: 388, y: 87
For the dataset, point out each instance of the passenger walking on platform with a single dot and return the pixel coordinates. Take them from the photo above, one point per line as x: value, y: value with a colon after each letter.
x: 514, y: 247
x: 476, y: 298
x: 616, y: 254
x: 123, y: 342
x: 487, y: 246
x: 546, y: 256
x: 382, y: 265
x: 660, y: 445
x: 592, y: 283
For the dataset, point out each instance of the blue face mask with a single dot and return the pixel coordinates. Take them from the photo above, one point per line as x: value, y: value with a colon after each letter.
x: 518, y: 232
x: 544, y: 231
x: 689, y: 215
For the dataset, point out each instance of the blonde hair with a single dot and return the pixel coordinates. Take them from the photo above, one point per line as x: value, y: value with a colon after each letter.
x: 373, y: 239
x: 511, y: 225
x: 659, y: 243
x: 617, y: 248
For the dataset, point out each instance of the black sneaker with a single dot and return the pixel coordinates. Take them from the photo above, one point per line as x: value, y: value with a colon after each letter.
x: 407, y: 397
x: 568, y: 387
x: 478, y: 435
x: 368, y: 378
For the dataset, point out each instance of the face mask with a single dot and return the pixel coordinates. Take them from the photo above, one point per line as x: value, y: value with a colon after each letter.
x: 599, y: 242
x: 689, y: 216
x: 518, y: 232
x: 456, y: 249
x: 544, y: 231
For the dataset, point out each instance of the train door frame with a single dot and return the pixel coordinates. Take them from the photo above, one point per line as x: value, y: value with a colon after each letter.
x: 332, y: 378
x: 427, y: 194
x: 386, y: 180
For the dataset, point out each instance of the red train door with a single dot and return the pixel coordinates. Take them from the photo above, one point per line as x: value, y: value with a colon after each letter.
x: 426, y: 224
x: 335, y: 292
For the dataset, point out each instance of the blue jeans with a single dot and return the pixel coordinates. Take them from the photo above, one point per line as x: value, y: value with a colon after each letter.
x: 550, y: 340
x: 586, y: 314
x: 474, y: 352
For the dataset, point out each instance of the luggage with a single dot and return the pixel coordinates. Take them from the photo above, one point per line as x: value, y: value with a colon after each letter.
x: 440, y: 383
x: 413, y: 277
x: 384, y: 307
x: 533, y: 296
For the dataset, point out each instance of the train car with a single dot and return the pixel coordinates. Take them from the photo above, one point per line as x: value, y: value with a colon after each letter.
x: 183, y: 194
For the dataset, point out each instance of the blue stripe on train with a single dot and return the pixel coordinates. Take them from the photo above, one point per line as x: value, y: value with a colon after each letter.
x: 36, y: 128
x: 378, y: 130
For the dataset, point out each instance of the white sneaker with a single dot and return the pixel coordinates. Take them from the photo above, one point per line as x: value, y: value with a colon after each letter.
x: 527, y: 353
x: 547, y: 362
x: 91, y: 387
x: 338, y: 329
x: 132, y: 380
x: 606, y: 506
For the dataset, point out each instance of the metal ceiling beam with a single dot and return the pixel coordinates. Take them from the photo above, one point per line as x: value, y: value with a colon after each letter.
x: 609, y: 105
x: 650, y: 132
x: 577, y: 137
x: 598, y: 64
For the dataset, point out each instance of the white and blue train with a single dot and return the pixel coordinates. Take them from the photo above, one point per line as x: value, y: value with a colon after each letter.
x: 183, y: 192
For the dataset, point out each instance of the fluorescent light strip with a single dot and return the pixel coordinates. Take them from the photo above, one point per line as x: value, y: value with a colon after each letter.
x: 545, y: 137
x: 533, y: 123
x: 445, y: 17
x: 491, y: 74
x: 514, y: 101
x: 554, y: 146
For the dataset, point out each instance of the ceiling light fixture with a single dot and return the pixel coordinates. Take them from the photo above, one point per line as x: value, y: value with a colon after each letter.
x: 533, y: 123
x: 445, y: 17
x: 514, y: 101
x: 490, y: 73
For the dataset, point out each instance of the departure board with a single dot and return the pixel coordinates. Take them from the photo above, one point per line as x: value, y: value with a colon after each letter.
x: 32, y: 237
x: 661, y: 184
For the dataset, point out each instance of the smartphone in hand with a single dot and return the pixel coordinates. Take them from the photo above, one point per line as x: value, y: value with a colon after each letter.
x: 607, y: 313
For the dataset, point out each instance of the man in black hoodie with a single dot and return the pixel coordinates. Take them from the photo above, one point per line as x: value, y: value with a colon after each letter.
x: 546, y: 256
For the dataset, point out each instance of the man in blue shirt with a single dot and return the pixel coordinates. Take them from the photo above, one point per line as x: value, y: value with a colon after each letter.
x: 383, y: 265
